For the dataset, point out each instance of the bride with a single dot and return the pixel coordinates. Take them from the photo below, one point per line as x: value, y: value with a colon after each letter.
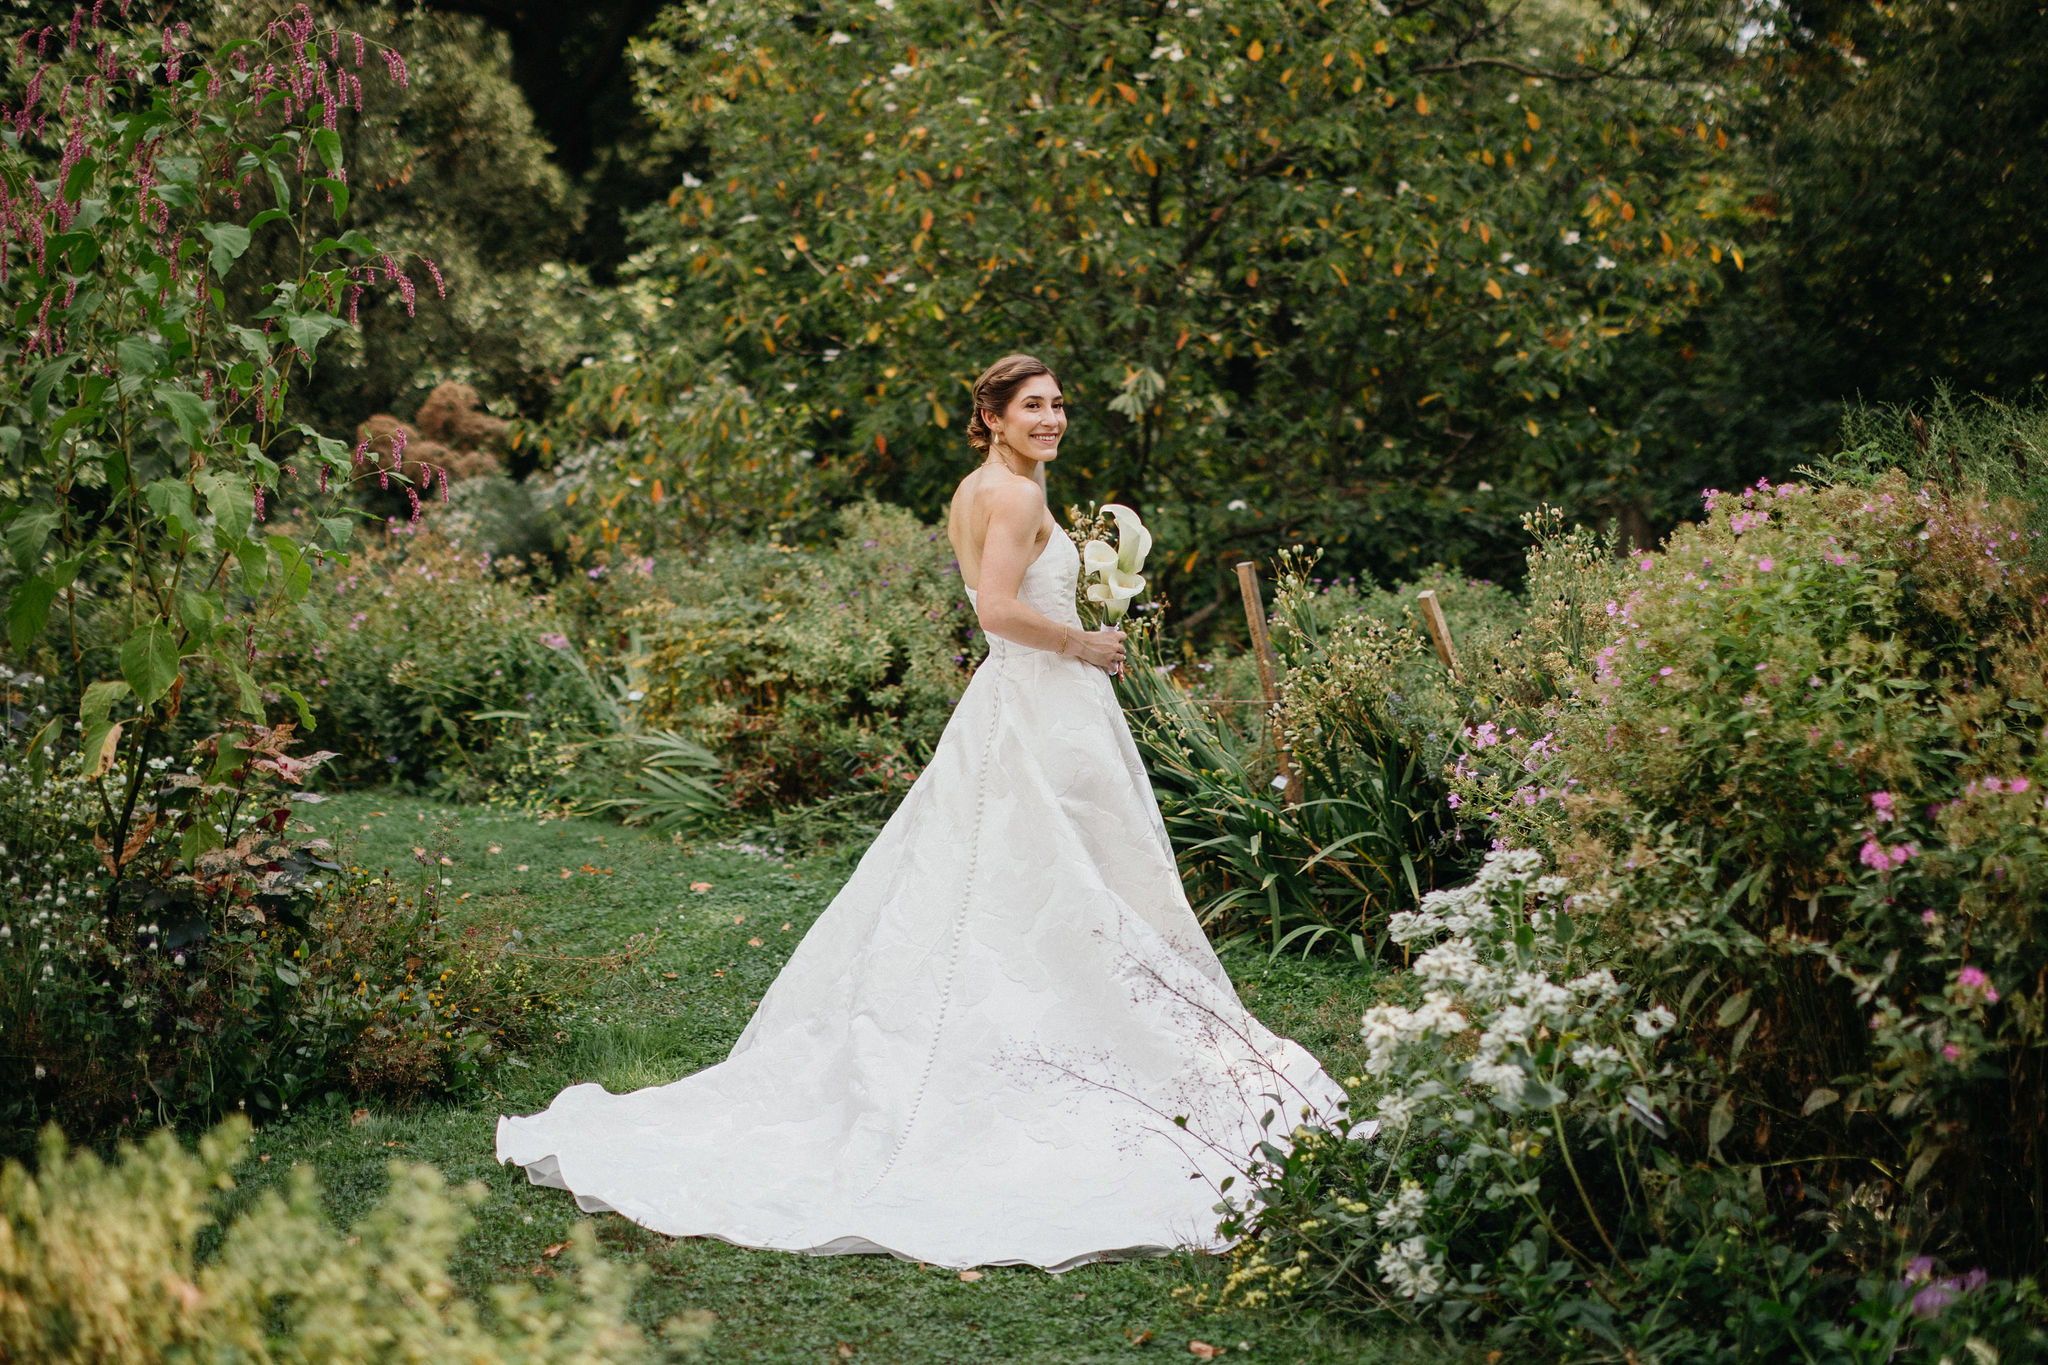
x: 1006, y: 1041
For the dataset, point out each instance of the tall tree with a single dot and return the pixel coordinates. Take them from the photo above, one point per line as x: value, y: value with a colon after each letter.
x: 1308, y: 271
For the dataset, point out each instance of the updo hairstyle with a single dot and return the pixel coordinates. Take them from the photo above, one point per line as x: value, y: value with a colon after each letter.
x: 994, y: 390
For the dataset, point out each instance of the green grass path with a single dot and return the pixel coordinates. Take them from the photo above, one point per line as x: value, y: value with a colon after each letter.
x: 679, y: 1007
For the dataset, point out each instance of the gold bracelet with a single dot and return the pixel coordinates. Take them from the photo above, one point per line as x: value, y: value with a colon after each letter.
x: 1066, y: 639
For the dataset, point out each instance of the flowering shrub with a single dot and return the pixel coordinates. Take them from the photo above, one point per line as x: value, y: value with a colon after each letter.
x: 811, y: 674
x: 100, y: 1265
x: 266, y: 976
x: 142, y: 412
x: 431, y: 658
x: 1540, y: 1174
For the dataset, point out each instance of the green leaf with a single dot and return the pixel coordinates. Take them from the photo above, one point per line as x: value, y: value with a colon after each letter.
x: 93, y: 749
x: 229, y: 241
x: 255, y: 565
x: 232, y: 504
x: 149, y: 661
x: 328, y: 142
x: 39, y: 748
x: 340, y: 193
x: 1722, y: 1121
x: 45, y: 383
x: 286, y: 974
x: 247, y: 695
x: 139, y: 356
x: 99, y: 700
x: 192, y: 414
x: 28, y: 611
x: 1732, y: 1009
x: 298, y: 700
x: 171, y: 499
x: 267, y: 217
x: 307, y: 329
x: 27, y: 536
x: 338, y: 529
x: 199, y: 615
x: 76, y: 183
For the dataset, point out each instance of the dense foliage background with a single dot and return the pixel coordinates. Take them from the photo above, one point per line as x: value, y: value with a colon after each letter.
x: 552, y: 411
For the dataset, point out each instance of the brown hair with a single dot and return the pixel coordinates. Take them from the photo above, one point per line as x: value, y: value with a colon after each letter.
x: 996, y: 387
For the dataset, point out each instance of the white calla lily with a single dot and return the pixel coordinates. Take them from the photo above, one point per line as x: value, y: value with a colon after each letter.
x: 1133, y: 541
x: 1098, y: 555
x: 1122, y: 588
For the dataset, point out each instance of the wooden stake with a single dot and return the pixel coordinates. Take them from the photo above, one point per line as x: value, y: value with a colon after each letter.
x: 1439, y: 629
x: 1262, y: 650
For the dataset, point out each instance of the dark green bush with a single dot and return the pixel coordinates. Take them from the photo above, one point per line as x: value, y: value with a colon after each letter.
x: 241, y: 964
x: 811, y: 674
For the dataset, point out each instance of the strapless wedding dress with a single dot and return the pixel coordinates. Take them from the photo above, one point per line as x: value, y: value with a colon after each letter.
x: 1006, y: 1041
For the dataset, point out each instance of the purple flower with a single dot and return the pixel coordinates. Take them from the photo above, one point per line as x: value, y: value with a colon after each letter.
x: 1882, y: 801
x: 1764, y: 565
x: 554, y: 639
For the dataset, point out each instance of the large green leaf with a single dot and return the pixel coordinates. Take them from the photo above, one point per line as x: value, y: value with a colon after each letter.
x: 193, y: 414
x: 229, y: 241
x: 171, y: 499
x: 232, y: 504
x: 28, y: 611
x: 149, y: 661
x: 99, y: 700
x: 28, y: 534
x: 307, y: 329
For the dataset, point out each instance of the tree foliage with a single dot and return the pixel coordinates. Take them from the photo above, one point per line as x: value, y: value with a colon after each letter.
x: 1306, y: 270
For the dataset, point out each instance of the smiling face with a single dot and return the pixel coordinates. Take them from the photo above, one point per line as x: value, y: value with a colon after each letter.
x: 1034, y: 421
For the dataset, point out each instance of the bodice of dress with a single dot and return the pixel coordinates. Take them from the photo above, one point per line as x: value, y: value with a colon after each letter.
x: 1047, y: 588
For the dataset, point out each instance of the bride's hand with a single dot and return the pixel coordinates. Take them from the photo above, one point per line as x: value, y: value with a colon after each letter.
x: 1103, y: 648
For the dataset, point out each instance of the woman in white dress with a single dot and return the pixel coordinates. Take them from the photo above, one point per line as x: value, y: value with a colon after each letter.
x: 1006, y: 1041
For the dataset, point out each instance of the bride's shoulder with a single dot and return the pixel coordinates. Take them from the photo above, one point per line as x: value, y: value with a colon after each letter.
x: 998, y: 490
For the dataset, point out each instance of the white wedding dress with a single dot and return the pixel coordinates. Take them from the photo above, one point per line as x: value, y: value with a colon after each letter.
x: 1006, y: 1041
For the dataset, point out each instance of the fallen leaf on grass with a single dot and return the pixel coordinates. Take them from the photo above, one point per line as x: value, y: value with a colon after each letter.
x: 785, y: 928
x: 566, y: 874
x: 668, y: 976
x: 358, y: 1116
x: 522, y: 867
x: 754, y: 943
x: 739, y: 918
x: 700, y: 886
x: 555, y: 1250
x: 1202, y: 1350
x: 1137, y: 1338
x: 969, y: 1276
x: 845, y: 1351
x: 497, y: 848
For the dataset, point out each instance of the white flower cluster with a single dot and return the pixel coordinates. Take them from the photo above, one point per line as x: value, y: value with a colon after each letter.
x: 1512, y: 1019
x: 1410, y: 1269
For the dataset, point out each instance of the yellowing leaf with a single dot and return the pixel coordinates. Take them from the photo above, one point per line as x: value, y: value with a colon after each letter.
x: 1533, y: 429
x: 1534, y: 122
x: 1130, y: 95
x: 1422, y: 105
x: 1257, y: 51
x: 1493, y: 288
x: 1379, y: 48
x: 1737, y: 255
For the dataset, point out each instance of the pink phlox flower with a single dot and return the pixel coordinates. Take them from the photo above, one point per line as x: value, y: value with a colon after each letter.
x: 1928, y: 917
x: 1973, y: 979
x: 1873, y: 856
x: 1483, y: 737
x: 1765, y: 564
x: 1951, y: 1051
x: 1883, y: 803
x: 1900, y: 852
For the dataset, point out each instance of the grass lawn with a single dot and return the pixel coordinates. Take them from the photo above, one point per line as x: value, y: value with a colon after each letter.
x: 679, y: 1007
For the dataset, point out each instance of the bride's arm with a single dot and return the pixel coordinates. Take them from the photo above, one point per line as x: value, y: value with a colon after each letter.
x: 1016, y: 512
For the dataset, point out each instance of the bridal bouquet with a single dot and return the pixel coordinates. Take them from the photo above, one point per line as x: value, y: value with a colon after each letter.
x: 1109, y: 568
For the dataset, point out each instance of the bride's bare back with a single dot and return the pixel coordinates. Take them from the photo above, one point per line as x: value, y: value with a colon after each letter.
x: 1010, y: 504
